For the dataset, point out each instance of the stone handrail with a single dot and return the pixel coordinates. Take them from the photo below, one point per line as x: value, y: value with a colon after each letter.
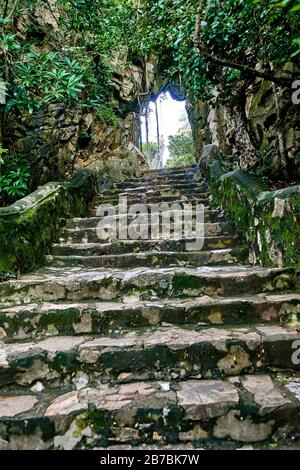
x: 32, y: 224
x: 268, y: 220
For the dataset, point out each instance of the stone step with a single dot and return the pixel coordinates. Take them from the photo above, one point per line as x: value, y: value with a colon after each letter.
x: 181, y: 176
x: 210, y: 216
x: 186, y: 411
x: 189, y: 191
x: 253, y: 408
x: 153, y: 258
x: 50, y: 319
x: 92, y: 235
x: 153, y: 353
x: 144, y: 199
x: 137, y: 246
x: 52, y: 284
x: 146, y: 185
x: 170, y: 181
x: 165, y: 206
x: 184, y: 170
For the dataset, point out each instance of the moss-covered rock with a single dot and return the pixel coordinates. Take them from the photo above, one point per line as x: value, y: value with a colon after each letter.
x: 268, y: 220
x: 31, y: 225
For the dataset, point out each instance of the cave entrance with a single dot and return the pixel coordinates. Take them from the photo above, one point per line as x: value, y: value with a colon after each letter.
x: 165, y: 134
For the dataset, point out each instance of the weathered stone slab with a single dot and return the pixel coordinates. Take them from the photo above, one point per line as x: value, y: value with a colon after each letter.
x: 50, y: 319
x: 235, y: 427
x: 206, y: 399
x: 265, y: 393
x: 13, y: 406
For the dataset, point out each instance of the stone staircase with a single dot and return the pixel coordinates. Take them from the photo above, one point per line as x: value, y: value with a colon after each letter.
x: 132, y: 343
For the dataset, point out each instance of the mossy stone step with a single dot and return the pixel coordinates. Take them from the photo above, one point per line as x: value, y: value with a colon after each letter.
x: 210, y: 216
x: 184, y: 171
x: 145, y: 199
x: 50, y: 319
x: 207, y: 412
x: 154, y: 353
x: 143, y: 192
x: 154, y: 258
x: 149, y: 206
x: 171, y: 181
x: 90, y: 234
x: 145, y: 185
x: 135, y: 246
x: 179, y: 168
x: 53, y: 284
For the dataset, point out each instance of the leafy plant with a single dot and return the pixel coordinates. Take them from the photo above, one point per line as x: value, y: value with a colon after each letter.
x: 108, y: 116
x: 181, y: 150
x: 14, y: 177
x: 150, y: 150
x: 234, y: 30
x: 72, y: 71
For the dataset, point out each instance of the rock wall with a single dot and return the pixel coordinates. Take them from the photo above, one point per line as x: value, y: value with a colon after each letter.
x: 30, y: 226
x: 260, y: 132
x: 61, y: 139
x: 268, y: 220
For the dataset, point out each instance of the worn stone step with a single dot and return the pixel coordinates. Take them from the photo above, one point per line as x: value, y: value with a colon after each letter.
x: 210, y: 216
x: 92, y: 235
x: 146, y: 185
x: 156, y: 353
x: 255, y: 408
x: 177, y: 205
x: 228, y: 256
x: 136, y: 246
x: 184, y: 170
x: 168, y: 179
x: 145, y: 199
x: 50, y: 319
x: 171, y: 181
x: 53, y: 284
x: 188, y: 191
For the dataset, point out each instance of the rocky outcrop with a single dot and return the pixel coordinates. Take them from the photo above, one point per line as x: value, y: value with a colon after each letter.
x: 60, y: 139
x: 260, y: 132
x: 269, y: 220
x: 31, y: 225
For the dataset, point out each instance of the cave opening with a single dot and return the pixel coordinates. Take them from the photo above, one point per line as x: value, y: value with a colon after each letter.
x: 165, y: 132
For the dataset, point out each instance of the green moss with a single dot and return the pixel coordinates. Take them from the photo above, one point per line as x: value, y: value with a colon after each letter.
x: 274, y: 236
x: 29, y: 227
x: 183, y: 281
x: 99, y: 420
x: 62, y: 320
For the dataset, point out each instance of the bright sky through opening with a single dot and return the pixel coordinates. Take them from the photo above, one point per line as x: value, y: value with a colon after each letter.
x: 169, y: 112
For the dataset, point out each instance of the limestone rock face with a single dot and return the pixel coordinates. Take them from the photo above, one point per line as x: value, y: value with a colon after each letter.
x: 251, y: 131
x: 61, y: 139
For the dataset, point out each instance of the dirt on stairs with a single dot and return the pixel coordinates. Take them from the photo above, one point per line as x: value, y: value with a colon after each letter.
x: 130, y: 343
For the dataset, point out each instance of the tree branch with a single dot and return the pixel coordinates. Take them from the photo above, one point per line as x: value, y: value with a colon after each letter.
x: 282, y: 81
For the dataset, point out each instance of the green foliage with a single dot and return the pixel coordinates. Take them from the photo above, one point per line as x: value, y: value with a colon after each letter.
x: 245, y: 32
x: 14, y: 177
x: 74, y: 68
x: 150, y: 149
x: 294, y: 6
x: 108, y: 116
x: 181, y: 150
x: 41, y: 78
